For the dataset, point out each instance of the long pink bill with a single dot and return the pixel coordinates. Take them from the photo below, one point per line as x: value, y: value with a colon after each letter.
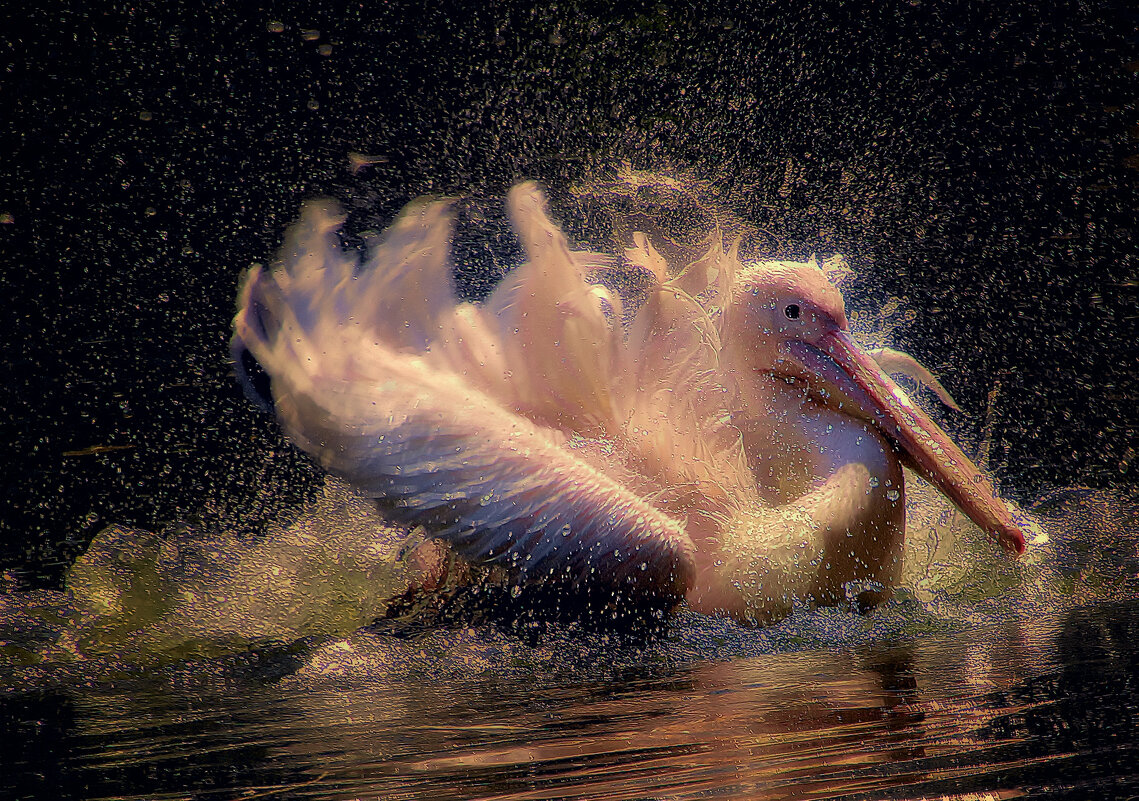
x: 929, y: 449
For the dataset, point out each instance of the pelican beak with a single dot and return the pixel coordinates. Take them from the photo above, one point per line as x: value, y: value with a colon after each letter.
x: 841, y: 365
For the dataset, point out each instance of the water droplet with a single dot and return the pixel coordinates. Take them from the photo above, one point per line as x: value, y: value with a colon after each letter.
x: 873, y: 481
x: 893, y: 494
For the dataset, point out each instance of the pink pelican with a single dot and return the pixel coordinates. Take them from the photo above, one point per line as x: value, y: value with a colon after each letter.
x: 724, y: 440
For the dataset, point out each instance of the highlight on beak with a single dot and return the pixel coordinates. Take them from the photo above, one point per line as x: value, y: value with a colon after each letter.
x: 858, y: 379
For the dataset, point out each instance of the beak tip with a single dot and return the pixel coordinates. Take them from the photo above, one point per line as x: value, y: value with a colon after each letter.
x: 1015, y: 545
x: 1022, y: 531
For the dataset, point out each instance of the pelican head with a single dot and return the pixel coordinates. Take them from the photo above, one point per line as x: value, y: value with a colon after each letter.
x: 775, y: 304
x: 787, y: 320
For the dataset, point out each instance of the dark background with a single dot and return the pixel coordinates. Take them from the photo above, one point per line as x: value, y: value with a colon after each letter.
x: 981, y: 159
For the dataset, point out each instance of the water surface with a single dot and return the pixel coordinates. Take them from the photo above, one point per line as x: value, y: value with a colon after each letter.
x: 1018, y: 683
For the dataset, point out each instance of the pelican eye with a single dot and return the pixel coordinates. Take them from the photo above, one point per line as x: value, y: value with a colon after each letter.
x: 792, y: 311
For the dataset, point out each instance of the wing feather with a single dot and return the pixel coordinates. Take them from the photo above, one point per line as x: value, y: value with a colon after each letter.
x: 390, y: 399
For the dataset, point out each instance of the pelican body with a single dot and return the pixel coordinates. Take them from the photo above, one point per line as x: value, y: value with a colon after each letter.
x: 721, y: 439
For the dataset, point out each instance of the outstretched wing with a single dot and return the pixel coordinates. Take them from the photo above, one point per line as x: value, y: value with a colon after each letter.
x: 680, y: 418
x: 377, y: 403
x: 559, y: 346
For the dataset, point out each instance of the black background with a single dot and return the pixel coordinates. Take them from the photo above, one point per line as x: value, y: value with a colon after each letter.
x: 980, y: 160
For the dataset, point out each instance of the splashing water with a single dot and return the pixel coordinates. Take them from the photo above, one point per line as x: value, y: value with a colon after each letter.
x: 140, y: 596
x: 267, y: 650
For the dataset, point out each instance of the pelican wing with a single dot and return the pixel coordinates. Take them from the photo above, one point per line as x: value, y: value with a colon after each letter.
x: 408, y: 405
x: 556, y: 339
x: 680, y: 419
x: 497, y: 487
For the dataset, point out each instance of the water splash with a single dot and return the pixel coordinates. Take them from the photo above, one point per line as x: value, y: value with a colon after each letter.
x: 140, y: 595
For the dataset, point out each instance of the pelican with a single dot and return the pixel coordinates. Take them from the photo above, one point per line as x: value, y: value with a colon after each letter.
x: 721, y: 440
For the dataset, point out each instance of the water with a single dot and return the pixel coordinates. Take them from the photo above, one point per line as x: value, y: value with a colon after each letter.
x: 998, y: 681
x: 469, y: 714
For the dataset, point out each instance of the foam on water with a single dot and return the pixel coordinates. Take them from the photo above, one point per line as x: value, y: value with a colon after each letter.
x: 139, y: 595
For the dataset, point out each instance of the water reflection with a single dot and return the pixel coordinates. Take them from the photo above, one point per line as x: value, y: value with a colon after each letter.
x: 775, y: 725
x: 759, y: 725
x: 474, y: 713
